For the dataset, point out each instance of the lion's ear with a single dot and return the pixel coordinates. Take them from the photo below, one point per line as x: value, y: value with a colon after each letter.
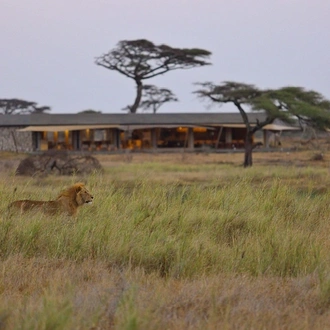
x: 79, y: 186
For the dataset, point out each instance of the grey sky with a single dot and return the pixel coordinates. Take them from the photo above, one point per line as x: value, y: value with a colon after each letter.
x: 49, y: 46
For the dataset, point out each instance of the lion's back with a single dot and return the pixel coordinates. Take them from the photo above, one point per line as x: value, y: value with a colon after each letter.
x: 50, y: 207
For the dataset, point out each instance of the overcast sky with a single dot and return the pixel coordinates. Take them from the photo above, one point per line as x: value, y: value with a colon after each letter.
x: 48, y: 47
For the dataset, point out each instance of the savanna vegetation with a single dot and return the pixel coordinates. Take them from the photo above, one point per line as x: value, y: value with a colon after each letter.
x: 19, y: 106
x: 179, y: 241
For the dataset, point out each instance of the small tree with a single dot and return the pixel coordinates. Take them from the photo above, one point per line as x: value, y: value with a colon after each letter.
x: 41, y: 109
x: 18, y: 106
x: 90, y: 111
x: 141, y: 59
x: 243, y: 97
x: 154, y: 97
x: 285, y: 103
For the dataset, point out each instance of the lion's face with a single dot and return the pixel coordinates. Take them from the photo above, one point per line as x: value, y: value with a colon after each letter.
x: 84, y: 196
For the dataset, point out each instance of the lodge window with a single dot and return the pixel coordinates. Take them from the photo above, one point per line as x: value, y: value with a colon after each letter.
x: 49, y: 136
x: 100, y: 135
x: 60, y: 137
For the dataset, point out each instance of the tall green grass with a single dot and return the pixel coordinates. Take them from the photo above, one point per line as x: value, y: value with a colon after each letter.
x: 180, y: 230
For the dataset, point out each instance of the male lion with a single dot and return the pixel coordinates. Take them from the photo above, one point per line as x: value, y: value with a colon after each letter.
x: 67, y: 202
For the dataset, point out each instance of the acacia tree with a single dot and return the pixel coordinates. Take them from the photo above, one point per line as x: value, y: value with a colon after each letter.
x: 242, y: 96
x: 18, y: 106
x: 141, y: 59
x: 285, y: 103
x: 154, y: 97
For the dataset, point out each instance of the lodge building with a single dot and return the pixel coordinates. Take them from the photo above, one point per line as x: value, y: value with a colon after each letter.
x: 112, y: 132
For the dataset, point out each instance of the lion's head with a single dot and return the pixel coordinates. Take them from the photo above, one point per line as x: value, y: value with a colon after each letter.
x: 83, y: 196
x: 79, y: 193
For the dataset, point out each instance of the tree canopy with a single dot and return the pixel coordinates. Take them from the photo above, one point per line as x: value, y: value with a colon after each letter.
x: 287, y: 104
x: 243, y: 96
x: 18, y: 106
x: 308, y: 107
x: 141, y: 59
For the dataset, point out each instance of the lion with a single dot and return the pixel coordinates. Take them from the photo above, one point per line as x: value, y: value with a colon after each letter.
x: 67, y: 202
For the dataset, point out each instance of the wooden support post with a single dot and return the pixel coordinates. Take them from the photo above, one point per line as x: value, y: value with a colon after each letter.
x: 218, y: 138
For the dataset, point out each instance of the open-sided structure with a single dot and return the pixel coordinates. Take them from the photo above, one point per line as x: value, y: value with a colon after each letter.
x: 107, y: 132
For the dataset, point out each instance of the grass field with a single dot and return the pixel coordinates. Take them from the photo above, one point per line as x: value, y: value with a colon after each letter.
x: 180, y: 241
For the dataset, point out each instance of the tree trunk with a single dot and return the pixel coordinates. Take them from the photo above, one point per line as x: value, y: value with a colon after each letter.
x: 248, y: 149
x: 135, y: 106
